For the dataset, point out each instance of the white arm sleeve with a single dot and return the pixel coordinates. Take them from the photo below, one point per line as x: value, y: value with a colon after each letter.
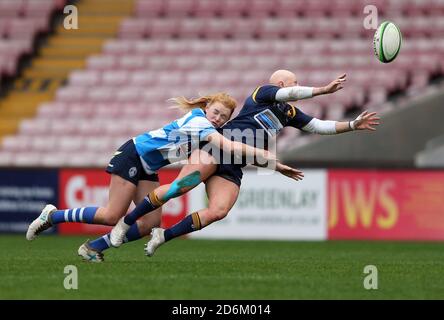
x: 294, y: 93
x: 321, y: 126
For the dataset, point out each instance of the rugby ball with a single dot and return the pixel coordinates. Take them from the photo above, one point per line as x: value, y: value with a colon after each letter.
x: 387, y: 42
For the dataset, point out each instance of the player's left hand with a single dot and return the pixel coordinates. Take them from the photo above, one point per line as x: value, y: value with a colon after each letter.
x: 336, y: 84
x: 289, y: 171
x: 366, y: 121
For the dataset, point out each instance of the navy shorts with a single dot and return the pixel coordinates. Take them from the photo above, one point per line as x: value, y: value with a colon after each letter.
x: 230, y: 172
x: 126, y: 164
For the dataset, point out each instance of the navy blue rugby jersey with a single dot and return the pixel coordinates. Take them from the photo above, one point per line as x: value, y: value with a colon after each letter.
x: 262, y: 117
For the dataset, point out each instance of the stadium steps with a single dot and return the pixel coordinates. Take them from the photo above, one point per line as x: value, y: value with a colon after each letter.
x: 64, y: 52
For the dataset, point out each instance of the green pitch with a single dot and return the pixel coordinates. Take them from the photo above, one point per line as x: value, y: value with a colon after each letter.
x: 198, y: 269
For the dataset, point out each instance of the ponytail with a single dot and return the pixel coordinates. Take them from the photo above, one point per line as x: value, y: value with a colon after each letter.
x: 202, y: 102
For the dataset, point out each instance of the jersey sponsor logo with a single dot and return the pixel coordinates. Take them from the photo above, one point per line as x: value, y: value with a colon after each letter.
x: 269, y: 122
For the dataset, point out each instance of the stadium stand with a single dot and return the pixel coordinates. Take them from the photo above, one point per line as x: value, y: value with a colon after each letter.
x: 121, y: 67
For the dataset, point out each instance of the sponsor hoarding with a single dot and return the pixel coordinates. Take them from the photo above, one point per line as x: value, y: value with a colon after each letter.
x: 81, y: 188
x: 271, y: 206
x: 23, y: 195
x: 386, y: 205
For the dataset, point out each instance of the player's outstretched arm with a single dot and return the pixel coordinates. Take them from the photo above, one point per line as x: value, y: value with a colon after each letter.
x: 240, y: 149
x: 332, y: 87
x: 295, y: 93
x: 288, y: 171
x: 365, y: 121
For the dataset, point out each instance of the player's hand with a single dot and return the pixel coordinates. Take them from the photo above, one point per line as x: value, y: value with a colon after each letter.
x: 289, y: 171
x: 366, y: 121
x: 336, y: 84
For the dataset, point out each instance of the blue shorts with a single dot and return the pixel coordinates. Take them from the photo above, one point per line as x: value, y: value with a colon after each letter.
x: 126, y: 164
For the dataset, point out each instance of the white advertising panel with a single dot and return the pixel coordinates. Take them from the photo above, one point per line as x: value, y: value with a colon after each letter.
x: 271, y: 206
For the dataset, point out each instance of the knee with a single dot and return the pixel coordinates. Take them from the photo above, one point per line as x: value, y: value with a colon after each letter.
x: 218, y: 212
x: 111, y: 219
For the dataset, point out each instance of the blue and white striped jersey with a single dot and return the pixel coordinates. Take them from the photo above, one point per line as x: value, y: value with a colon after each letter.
x: 174, y: 142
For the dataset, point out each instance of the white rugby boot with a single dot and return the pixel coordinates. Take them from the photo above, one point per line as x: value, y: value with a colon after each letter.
x: 40, y: 224
x: 157, y: 239
x: 118, y: 233
x: 89, y: 254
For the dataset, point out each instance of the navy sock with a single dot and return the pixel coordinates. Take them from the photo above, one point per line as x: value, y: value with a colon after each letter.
x: 148, y: 204
x: 187, y: 225
x: 104, y: 243
x: 85, y: 215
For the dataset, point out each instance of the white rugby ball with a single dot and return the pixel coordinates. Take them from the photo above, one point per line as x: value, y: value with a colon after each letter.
x: 387, y: 42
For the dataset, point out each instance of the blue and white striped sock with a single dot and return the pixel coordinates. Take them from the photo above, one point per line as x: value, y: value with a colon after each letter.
x: 84, y: 215
x: 104, y: 243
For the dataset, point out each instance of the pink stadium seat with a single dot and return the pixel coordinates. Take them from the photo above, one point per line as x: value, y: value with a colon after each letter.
x: 40, y: 8
x: 98, y: 144
x: 11, y: 8
x: 27, y: 159
x: 4, y: 25
x: 246, y: 28
x: 54, y: 159
x: 150, y: 8
x: 274, y: 28
x: 101, y: 62
x: 129, y: 94
x: 228, y: 79
x: 69, y: 144
x: 6, y: 159
x: 218, y: 28
x: 51, y: 110
x: 192, y: 28
x: 261, y: 8
x: 43, y: 143
x: 16, y: 143
x: 101, y: 94
x: 234, y: 8
x: 207, y: 8
x: 118, y: 47
x: 64, y: 127
x: 23, y: 28
x: 115, y: 78
x: 142, y: 78
x: 68, y: 94
x: 205, y: 48
x: 289, y: 8
x: 80, y: 159
x: 214, y: 63
x: 84, y: 78
x: 163, y: 28
x: 34, y: 127
x: 179, y: 8
x: 132, y: 62
x: 133, y: 28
